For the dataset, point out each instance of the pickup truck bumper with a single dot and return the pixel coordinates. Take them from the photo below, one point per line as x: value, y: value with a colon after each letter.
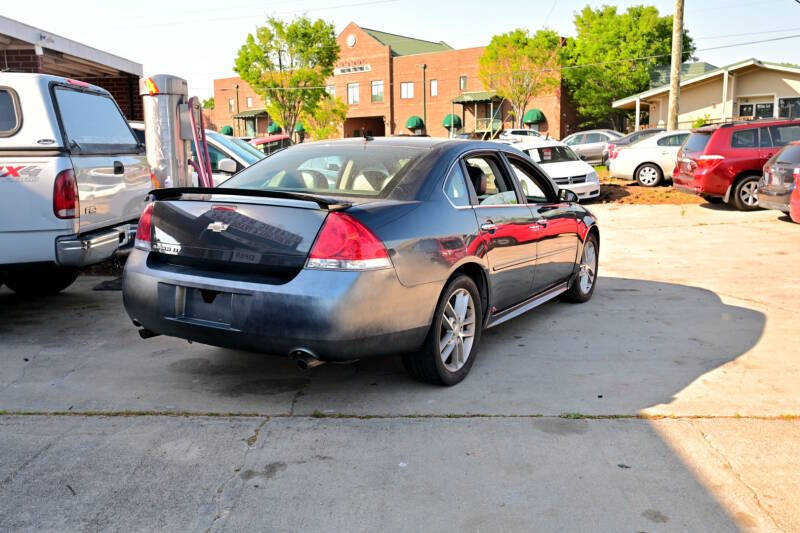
x: 95, y: 247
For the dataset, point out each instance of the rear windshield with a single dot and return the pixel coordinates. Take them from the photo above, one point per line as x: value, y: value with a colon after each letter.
x: 93, y: 122
x: 789, y: 155
x: 552, y: 154
x: 696, y: 142
x: 9, y: 116
x: 352, y: 170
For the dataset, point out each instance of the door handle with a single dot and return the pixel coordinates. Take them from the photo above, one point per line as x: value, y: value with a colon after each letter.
x: 489, y: 227
x: 118, y: 167
x: 541, y: 222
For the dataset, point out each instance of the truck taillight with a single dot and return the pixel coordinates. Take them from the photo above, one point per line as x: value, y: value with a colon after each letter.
x: 796, y: 176
x: 65, y: 195
x: 144, y: 229
x: 344, y: 243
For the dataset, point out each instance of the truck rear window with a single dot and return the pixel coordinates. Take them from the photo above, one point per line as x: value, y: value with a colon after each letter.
x: 9, y: 113
x: 696, y: 142
x: 93, y: 123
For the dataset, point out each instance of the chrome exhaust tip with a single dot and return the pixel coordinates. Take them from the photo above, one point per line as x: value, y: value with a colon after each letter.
x: 305, y: 360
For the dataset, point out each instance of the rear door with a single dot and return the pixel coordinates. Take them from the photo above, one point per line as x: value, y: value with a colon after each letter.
x: 593, y: 146
x: 554, y: 226
x: 667, y: 152
x: 110, y: 167
x: 505, y: 226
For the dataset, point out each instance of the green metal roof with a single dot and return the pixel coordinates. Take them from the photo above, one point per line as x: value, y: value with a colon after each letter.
x: 533, y: 116
x: 406, y: 46
x: 226, y: 130
x: 476, y: 96
x: 414, y: 123
x: 452, y: 120
x: 660, y: 74
x: 250, y: 113
x: 299, y: 127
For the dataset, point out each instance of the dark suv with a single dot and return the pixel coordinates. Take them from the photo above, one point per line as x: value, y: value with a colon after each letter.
x: 725, y: 161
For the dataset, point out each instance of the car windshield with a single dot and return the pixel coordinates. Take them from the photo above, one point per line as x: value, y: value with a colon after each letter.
x: 552, y: 154
x: 244, y: 145
x: 230, y: 143
x: 696, y: 142
x: 351, y: 170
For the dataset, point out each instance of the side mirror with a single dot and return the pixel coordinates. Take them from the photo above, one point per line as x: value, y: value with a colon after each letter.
x: 566, y: 195
x: 333, y: 166
x: 227, y: 165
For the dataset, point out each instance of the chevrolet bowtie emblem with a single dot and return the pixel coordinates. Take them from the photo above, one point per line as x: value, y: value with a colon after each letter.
x: 218, y: 226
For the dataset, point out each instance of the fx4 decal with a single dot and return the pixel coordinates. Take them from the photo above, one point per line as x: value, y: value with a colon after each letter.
x: 24, y: 173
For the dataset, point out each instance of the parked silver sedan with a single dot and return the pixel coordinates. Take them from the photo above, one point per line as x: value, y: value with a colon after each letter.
x: 592, y: 145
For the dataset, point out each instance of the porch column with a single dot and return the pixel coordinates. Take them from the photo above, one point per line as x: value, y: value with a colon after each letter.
x: 638, y: 108
x: 475, y: 116
x: 724, y: 95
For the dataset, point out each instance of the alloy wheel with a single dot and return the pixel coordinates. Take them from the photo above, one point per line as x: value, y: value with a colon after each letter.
x: 588, y: 267
x: 457, y: 331
x: 648, y: 176
x: 749, y: 193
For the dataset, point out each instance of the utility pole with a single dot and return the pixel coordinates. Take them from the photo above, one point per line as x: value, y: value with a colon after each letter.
x: 236, y: 122
x: 675, y: 68
x: 424, y: 101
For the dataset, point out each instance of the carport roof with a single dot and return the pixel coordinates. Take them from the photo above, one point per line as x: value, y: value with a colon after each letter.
x: 91, y: 61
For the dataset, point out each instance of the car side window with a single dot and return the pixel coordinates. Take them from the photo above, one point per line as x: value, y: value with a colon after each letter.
x: 672, y: 140
x: 783, y: 135
x: 764, y: 138
x: 214, y: 157
x: 574, y: 140
x: 456, y: 187
x: 745, y: 138
x: 498, y: 189
x: 532, y: 185
x: 594, y: 138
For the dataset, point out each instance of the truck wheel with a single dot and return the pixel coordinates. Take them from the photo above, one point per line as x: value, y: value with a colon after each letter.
x: 745, y: 194
x: 451, y: 344
x: 41, y: 281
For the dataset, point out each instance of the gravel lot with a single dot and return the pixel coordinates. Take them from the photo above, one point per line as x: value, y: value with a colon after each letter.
x: 667, y: 403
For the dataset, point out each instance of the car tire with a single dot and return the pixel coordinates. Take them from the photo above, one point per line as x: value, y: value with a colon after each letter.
x: 649, y: 175
x: 585, y: 279
x: 447, y: 362
x: 41, y: 281
x: 745, y: 194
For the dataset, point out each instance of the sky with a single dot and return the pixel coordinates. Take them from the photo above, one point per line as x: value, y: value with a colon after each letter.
x: 198, y: 39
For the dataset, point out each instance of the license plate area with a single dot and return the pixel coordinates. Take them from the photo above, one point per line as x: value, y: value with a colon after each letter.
x: 206, y: 307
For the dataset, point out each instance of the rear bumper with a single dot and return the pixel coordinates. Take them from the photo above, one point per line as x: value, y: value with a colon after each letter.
x: 334, y: 315
x: 770, y: 199
x: 95, y: 247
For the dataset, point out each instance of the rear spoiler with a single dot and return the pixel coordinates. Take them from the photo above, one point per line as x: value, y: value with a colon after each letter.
x: 177, y: 193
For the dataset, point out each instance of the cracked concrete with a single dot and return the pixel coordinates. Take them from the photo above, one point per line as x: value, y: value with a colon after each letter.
x: 699, y: 365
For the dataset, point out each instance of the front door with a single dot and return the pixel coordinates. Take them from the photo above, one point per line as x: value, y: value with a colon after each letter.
x: 505, y: 226
x: 554, y: 226
x: 667, y: 152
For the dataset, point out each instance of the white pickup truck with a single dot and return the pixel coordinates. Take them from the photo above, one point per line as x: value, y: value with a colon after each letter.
x: 73, y: 179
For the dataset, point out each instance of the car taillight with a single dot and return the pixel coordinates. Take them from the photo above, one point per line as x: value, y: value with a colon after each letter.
x: 796, y: 176
x: 707, y: 162
x: 344, y: 243
x: 65, y: 195
x: 144, y: 229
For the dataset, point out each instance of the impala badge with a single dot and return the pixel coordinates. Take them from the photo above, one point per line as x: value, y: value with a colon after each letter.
x: 218, y: 226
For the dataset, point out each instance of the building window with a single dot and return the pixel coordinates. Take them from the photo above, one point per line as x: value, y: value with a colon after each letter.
x: 434, y: 87
x: 249, y: 101
x: 230, y: 105
x: 377, y: 91
x: 463, y: 83
x: 352, y: 93
x: 746, y: 110
x: 407, y: 89
x: 765, y: 110
x: 789, y: 107
x: 331, y: 90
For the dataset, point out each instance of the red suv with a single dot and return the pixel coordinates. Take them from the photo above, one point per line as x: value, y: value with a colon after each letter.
x: 725, y: 161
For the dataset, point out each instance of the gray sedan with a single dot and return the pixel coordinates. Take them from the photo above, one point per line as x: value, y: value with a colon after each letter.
x: 415, y: 248
x: 592, y: 145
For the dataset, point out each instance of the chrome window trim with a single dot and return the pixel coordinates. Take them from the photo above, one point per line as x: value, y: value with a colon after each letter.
x: 458, y: 160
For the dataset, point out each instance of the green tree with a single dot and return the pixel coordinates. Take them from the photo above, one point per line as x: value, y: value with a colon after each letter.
x: 521, y: 67
x: 208, y: 103
x: 612, y: 57
x: 326, y: 119
x: 287, y: 63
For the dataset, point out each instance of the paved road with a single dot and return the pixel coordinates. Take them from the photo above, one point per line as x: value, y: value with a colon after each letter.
x: 664, y: 404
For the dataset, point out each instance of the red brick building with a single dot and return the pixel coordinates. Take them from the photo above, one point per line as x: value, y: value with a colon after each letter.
x: 24, y: 48
x: 380, y: 76
x: 238, y: 106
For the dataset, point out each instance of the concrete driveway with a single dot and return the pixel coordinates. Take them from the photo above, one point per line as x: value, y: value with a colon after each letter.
x: 667, y: 403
